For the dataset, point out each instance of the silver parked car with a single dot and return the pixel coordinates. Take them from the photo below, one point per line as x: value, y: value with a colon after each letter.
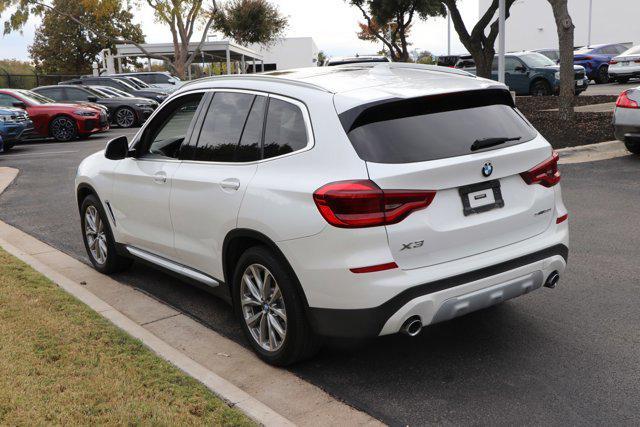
x: 626, y: 65
x: 626, y: 119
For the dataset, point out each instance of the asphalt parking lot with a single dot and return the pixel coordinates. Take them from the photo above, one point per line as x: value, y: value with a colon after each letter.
x: 564, y: 356
x: 610, y: 88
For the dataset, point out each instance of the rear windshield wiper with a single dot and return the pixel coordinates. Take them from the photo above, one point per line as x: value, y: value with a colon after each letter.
x: 490, y: 142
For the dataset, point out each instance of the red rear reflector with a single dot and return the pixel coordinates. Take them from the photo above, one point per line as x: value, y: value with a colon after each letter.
x: 612, y: 62
x: 562, y: 218
x: 545, y: 174
x: 374, y: 268
x: 624, y: 101
x: 357, y: 204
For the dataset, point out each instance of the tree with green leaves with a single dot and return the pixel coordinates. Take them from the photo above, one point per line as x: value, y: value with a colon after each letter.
x: 250, y: 21
x: 182, y: 17
x: 64, y: 46
x: 479, y: 44
x: 389, y: 22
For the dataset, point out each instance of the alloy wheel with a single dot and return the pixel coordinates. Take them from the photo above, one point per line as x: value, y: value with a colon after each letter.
x: 263, y: 307
x: 63, y: 129
x: 125, y: 118
x: 95, y: 234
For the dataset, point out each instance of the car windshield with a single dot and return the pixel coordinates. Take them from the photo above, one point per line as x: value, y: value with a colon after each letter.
x: 118, y: 92
x: 138, y: 81
x: 35, y: 98
x: 95, y: 92
x: 102, y: 92
x: 535, y: 60
x: 633, y: 51
x: 583, y: 50
x: 127, y: 84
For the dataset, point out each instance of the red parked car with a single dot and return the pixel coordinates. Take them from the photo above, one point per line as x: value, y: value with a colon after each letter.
x: 63, y: 122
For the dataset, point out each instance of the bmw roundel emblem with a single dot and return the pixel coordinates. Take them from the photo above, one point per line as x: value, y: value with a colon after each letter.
x: 487, y: 170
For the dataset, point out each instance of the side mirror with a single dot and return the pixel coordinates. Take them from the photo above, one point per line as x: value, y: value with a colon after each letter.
x: 20, y: 104
x: 92, y: 99
x: 117, y: 148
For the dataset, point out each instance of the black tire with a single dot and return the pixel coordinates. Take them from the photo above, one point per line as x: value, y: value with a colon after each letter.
x: 113, y: 262
x: 299, y: 342
x: 603, y: 75
x: 125, y: 117
x: 63, y: 129
x: 633, y: 147
x: 622, y: 80
x: 7, y: 146
x: 540, y: 88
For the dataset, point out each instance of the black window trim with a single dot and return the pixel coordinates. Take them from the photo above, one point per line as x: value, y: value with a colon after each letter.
x: 302, y: 106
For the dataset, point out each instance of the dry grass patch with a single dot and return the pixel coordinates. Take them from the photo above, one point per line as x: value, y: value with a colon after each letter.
x: 62, y: 363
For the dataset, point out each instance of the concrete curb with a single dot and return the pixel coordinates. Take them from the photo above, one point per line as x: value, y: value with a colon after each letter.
x: 592, y: 152
x: 228, y: 392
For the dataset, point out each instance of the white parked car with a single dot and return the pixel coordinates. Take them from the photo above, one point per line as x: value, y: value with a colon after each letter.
x: 625, y: 66
x: 357, y: 201
x: 160, y: 79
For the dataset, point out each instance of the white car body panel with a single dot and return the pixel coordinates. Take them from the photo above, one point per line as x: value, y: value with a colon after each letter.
x: 187, y: 218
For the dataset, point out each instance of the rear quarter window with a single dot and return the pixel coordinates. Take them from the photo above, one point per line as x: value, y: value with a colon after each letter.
x: 434, y: 127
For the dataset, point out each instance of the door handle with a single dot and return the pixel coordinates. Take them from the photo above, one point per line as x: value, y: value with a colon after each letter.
x: 232, y: 184
x: 160, y: 178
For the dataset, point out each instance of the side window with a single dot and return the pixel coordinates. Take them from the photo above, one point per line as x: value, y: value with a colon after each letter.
x: 74, y: 94
x: 166, y: 133
x: 223, y: 126
x: 7, y: 100
x: 285, y: 129
x: 511, y: 63
x: 250, y: 143
x: 619, y: 49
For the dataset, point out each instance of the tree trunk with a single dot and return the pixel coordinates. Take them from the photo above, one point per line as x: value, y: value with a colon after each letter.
x: 484, y: 61
x: 565, y: 28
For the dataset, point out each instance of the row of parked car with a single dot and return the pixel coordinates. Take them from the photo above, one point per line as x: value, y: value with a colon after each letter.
x: 537, y: 72
x: 81, y: 107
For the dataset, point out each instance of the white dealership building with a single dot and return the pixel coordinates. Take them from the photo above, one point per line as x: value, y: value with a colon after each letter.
x: 531, y: 24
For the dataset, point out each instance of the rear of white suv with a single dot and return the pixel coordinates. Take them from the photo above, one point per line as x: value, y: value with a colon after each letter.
x: 365, y: 200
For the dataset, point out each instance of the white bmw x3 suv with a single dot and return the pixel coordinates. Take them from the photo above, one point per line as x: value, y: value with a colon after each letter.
x: 347, y: 201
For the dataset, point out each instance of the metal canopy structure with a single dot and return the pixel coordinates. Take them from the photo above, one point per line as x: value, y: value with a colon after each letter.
x: 220, y: 51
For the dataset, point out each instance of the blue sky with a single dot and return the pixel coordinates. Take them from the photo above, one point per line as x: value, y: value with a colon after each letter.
x: 332, y: 24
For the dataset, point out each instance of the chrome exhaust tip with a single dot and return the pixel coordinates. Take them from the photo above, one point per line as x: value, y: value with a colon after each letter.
x: 412, y: 326
x: 552, y: 280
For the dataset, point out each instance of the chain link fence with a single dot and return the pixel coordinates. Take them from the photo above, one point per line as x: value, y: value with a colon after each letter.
x: 29, y: 81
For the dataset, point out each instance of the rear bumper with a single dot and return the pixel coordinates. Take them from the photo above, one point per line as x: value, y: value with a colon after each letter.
x: 624, y: 72
x: 626, y: 124
x: 446, y: 298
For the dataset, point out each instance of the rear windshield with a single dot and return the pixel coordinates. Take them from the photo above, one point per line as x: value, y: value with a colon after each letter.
x: 435, y: 127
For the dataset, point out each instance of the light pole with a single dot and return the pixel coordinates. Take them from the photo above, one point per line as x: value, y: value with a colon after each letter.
x: 448, y: 32
x: 589, y: 30
x: 501, y: 40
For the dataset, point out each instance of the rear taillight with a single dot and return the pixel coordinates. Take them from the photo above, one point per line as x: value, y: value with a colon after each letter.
x: 545, y: 174
x: 624, y: 101
x: 358, y: 204
x: 637, y: 61
x: 612, y: 62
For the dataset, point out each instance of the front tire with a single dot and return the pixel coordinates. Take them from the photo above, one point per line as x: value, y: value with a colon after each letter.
x: 540, y: 88
x: 125, y: 117
x: 98, y: 238
x: 63, y: 129
x: 270, y: 311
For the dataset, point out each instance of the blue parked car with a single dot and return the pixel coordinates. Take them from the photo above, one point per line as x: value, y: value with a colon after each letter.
x: 595, y: 59
x: 15, y: 124
x: 530, y: 73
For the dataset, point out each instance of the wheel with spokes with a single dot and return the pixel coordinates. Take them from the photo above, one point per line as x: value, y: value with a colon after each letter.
x: 63, y: 129
x: 270, y: 310
x: 125, y: 117
x: 98, y: 239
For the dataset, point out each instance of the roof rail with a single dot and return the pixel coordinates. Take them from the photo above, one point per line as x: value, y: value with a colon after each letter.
x: 258, y: 77
x: 425, y: 67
